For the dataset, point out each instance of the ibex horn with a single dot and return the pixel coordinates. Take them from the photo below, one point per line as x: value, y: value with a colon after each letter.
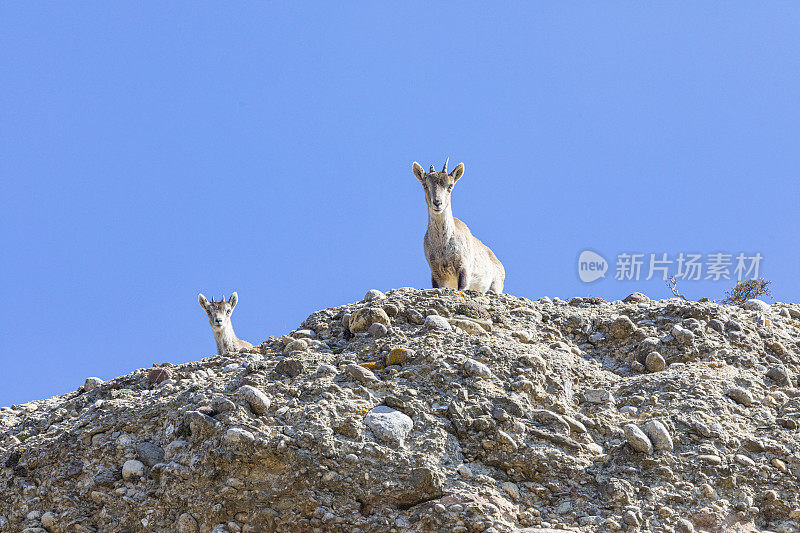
x: 431, y: 170
x: 445, y: 164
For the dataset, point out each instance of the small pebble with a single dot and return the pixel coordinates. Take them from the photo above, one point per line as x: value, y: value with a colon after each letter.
x: 132, y: 470
x: 658, y: 435
x: 655, y: 362
x: 378, y: 330
x: 258, y: 401
x: 437, y: 322
x: 740, y: 395
x: 92, y: 383
x: 637, y: 439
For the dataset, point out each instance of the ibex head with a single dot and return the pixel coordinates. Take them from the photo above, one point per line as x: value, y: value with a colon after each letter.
x: 438, y: 185
x: 219, y: 313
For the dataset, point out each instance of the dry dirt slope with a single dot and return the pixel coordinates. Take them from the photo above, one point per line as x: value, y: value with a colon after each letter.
x: 434, y: 410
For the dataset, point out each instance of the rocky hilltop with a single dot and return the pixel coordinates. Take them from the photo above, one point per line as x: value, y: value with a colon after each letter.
x: 435, y: 410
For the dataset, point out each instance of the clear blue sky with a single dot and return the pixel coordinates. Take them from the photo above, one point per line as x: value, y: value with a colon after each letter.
x: 149, y: 152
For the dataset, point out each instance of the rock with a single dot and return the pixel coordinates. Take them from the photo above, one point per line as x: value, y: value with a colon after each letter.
x: 511, y: 489
x: 740, y: 395
x: 415, y: 317
x: 599, y: 396
x: 377, y: 330
x: 469, y: 326
x: 91, y: 384
x: 507, y: 441
x: 389, y: 425
x: 655, y: 362
x: 682, y: 335
x: 522, y: 426
x: 258, y: 401
x: 684, y: 526
x: 221, y: 404
x: 436, y: 322
x: 622, y: 327
x: 637, y: 439
x: 187, y: 524
x: 596, y: 337
x: 658, y: 435
x: 636, y: 297
x: 362, y: 319
x: 775, y: 346
x: 360, y: 373
x: 629, y: 517
x: 327, y: 370
x: 304, y: 334
x: 710, y: 459
x: 374, y: 294
x: 133, y: 470
x: 780, y: 375
x: 49, y: 521
x: 74, y: 468
x: 107, y: 477
x: 150, y: 454
x: 297, y: 345
x: 398, y: 356
x: 755, y: 304
x: 477, y: 369
x: 575, y: 426
x: 236, y: 437
x: 290, y: 367
x: 159, y: 374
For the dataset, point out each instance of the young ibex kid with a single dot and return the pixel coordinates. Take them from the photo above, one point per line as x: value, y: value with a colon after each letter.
x: 219, y: 314
x: 456, y: 257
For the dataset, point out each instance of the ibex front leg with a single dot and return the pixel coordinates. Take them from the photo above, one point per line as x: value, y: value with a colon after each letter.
x: 463, y: 279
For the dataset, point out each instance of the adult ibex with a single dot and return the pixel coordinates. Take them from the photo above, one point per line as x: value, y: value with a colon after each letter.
x: 456, y: 257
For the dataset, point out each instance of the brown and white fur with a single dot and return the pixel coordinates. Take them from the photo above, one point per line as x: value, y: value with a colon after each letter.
x: 456, y: 257
x: 219, y: 314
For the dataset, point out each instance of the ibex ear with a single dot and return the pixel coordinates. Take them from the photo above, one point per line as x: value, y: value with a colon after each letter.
x: 202, y: 300
x: 416, y: 168
x: 233, y: 300
x: 457, y: 172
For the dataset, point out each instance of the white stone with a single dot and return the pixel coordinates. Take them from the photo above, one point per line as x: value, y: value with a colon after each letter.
x: 49, y: 520
x: 740, y: 395
x: 599, y: 396
x: 258, y: 401
x: 374, y: 294
x: 133, y: 469
x: 437, y: 322
x: 238, y: 437
x: 681, y: 334
x: 754, y: 304
x: 658, y: 435
x: 655, y: 362
x: 389, y: 425
x: 637, y: 439
x: 477, y: 369
x: 92, y: 383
